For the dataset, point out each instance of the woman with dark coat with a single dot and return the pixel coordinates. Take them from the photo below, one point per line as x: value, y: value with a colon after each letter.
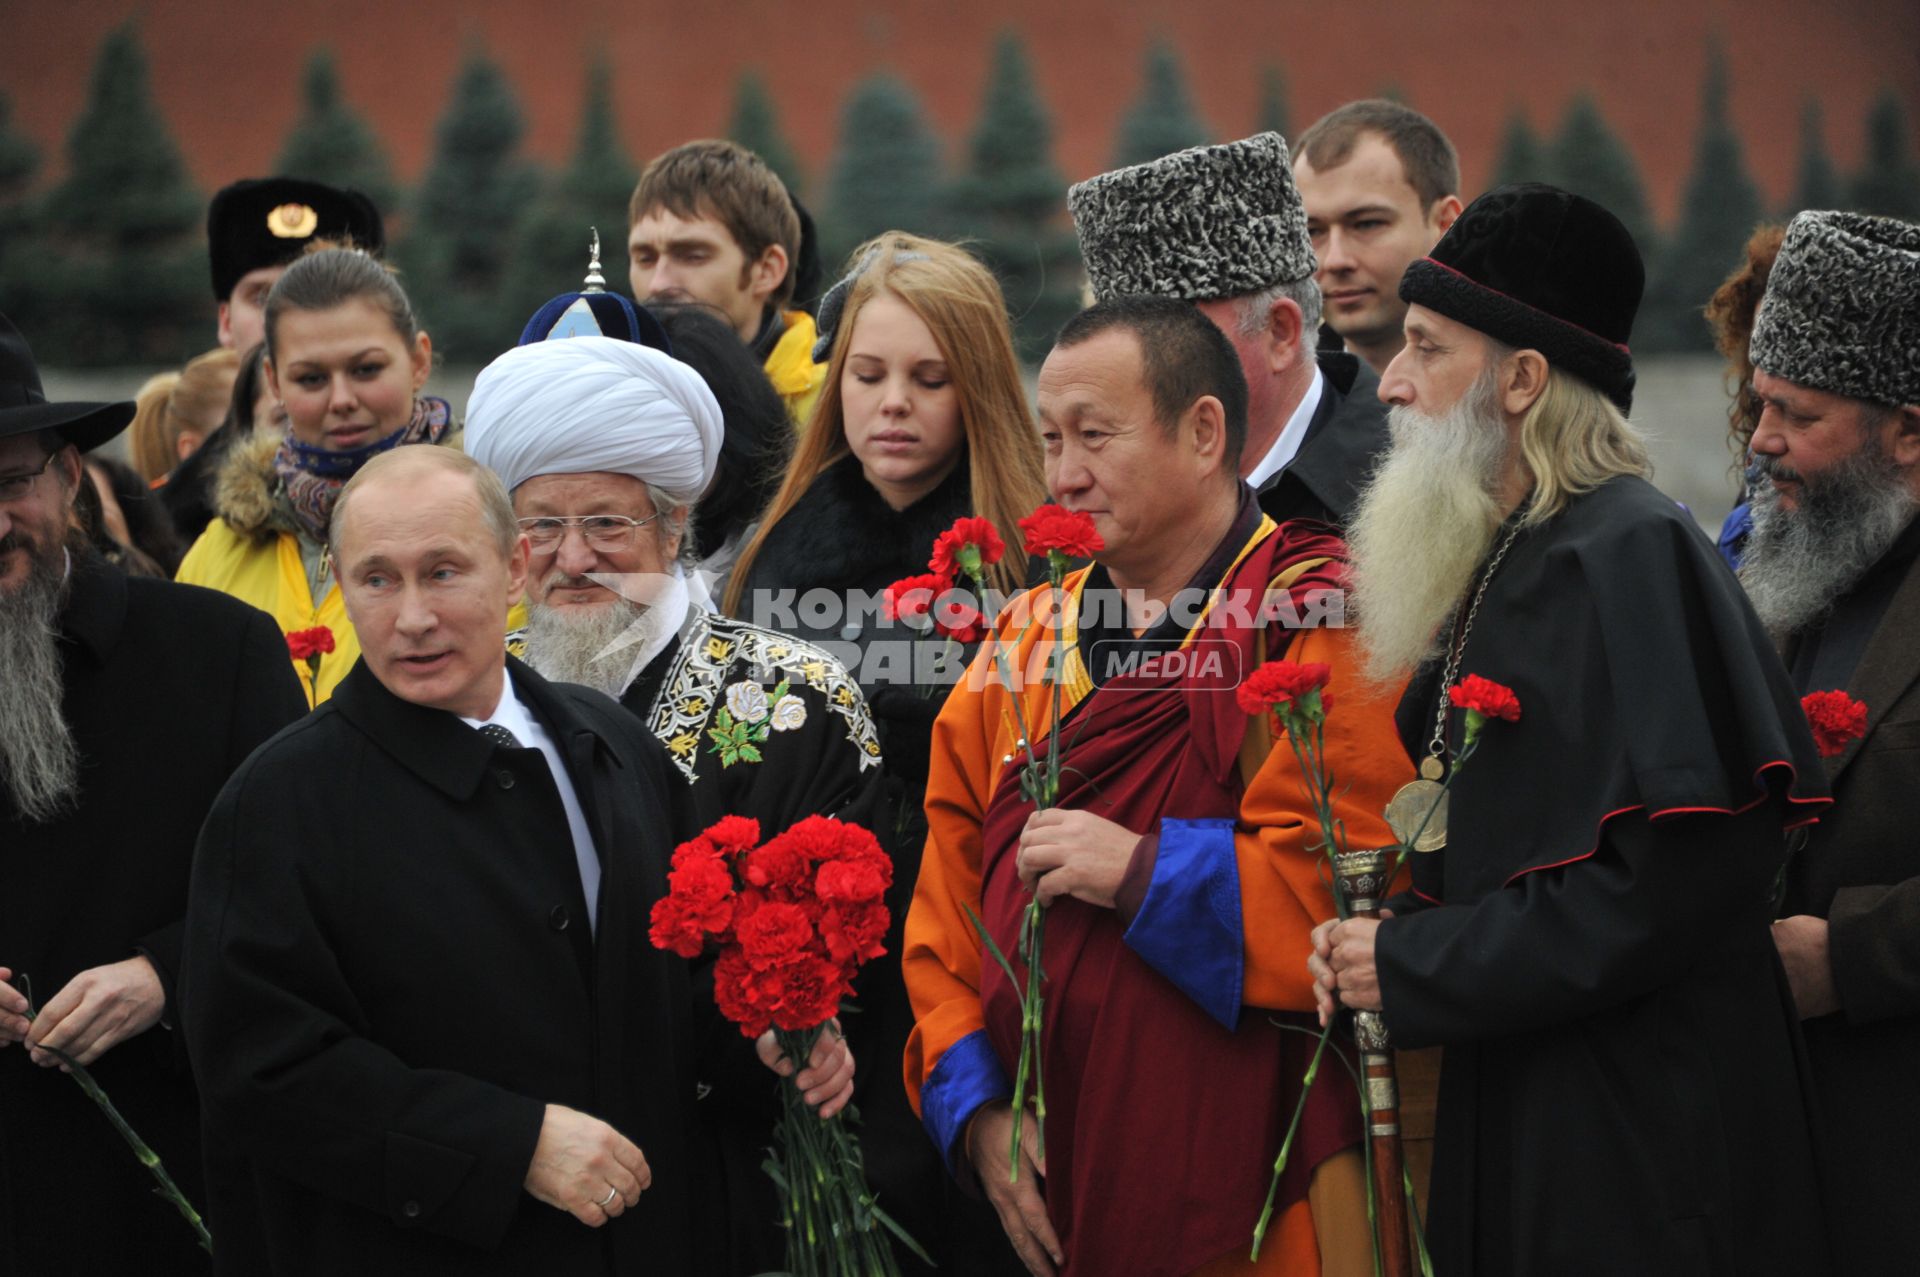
x: 921, y: 421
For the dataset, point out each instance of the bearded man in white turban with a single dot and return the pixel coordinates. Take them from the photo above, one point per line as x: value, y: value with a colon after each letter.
x: 606, y: 447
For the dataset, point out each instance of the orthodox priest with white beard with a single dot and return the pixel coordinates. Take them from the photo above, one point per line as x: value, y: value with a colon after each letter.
x: 606, y: 446
x: 1833, y: 569
x: 1620, y: 1090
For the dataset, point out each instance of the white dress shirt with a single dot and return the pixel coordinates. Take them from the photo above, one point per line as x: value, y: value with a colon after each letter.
x: 513, y: 714
x: 1281, y: 455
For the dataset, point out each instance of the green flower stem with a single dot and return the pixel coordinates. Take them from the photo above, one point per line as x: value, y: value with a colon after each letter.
x: 835, y: 1227
x: 1286, y: 1142
x: 166, y: 1189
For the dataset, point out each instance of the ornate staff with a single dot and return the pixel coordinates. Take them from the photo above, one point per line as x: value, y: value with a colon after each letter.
x: 1363, y: 879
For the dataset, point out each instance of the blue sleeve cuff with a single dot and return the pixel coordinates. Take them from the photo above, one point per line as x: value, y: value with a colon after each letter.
x: 968, y: 1075
x: 1189, y: 926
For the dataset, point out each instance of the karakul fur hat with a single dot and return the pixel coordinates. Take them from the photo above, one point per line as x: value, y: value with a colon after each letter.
x: 1538, y: 268
x: 1198, y: 225
x: 1842, y: 310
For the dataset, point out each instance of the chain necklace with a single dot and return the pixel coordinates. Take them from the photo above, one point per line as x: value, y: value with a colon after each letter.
x: 1417, y: 813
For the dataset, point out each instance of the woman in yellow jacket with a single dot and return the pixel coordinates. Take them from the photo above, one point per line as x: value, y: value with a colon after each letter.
x: 348, y: 359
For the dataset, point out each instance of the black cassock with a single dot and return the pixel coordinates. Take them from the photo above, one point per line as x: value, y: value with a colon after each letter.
x: 168, y: 688
x: 389, y: 973
x: 1624, y: 1084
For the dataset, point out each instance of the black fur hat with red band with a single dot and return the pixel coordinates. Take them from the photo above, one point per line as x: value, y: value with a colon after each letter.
x: 1538, y: 268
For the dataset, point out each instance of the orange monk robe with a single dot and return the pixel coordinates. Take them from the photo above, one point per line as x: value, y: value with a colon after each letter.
x: 1282, y: 874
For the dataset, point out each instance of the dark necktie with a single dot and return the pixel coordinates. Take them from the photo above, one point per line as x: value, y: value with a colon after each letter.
x: 500, y: 736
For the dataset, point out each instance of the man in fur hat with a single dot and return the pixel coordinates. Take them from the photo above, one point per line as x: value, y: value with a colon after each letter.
x: 256, y: 226
x: 125, y: 703
x: 1620, y: 1091
x: 1224, y: 228
x: 1833, y: 568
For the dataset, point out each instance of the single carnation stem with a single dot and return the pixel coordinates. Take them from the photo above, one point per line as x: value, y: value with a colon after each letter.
x: 167, y: 1189
x: 1286, y: 1143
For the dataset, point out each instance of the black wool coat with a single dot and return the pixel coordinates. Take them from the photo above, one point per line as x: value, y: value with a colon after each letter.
x: 168, y: 688
x: 1346, y: 437
x: 390, y: 973
x: 1860, y: 870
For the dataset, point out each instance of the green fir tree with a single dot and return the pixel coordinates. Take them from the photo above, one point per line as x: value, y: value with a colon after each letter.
x: 1816, y: 185
x: 592, y: 192
x: 886, y: 174
x: 1589, y: 159
x: 1523, y: 156
x: 1011, y: 200
x: 1162, y: 119
x: 1718, y: 212
x: 120, y: 272
x: 19, y: 158
x: 1274, y: 115
x: 756, y: 126
x: 1889, y: 182
x: 475, y: 196
x: 333, y: 143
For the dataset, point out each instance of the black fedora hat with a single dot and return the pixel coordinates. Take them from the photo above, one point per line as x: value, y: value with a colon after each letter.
x: 24, y: 408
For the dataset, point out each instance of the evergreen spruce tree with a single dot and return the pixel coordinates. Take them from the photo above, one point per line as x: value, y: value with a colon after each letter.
x: 1274, y: 116
x: 1011, y: 199
x: 756, y: 126
x: 1717, y: 214
x: 1162, y: 119
x: 593, y: 192
x: 333, y: 143
x: 19, y: 229
x: 1523, y: 156
x: 476, y: 194
x: 19, y: 158
x: 1889, y: 182
x: 886, y: 174
x: 1817, y: 185
x: 120, y: 272
x: 1589, y: 159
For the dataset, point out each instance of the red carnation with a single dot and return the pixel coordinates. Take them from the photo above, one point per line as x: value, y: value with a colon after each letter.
x: 959, y: 620
x: 911, y: 597
x: 1279, y: 683
x: 1053, y: 530
x: 854, y: 935
x: 310, y: 645
x: 772, y: 934
x: 851, y: 882
x: 970, y: 546
x: 776, y: 867
x: 1837, y: 720
x: 732, y: 835
x: 1485, y: 697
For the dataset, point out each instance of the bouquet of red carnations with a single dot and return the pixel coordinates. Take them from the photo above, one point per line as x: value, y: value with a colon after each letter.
x: 791, y: 922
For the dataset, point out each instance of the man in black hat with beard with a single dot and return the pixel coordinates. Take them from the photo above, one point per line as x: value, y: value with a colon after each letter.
x: 1833, y: 569
x: 124, y: 706
x: 1620, y: 1091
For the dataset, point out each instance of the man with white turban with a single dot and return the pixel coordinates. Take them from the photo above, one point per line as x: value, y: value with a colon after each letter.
x: 606, y: 447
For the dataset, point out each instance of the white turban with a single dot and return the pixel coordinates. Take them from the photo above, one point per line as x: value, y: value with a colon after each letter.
x: 583, y: 404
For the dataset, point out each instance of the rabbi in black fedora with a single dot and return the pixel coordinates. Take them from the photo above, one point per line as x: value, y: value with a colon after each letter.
x: 124, y: 706
x: 1621, y: 1091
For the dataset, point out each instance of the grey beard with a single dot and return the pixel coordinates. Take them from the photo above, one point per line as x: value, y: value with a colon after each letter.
x: 571, y: 645
x: 38, y: 758
x: 1798, y: 563
x: 1424, y: 522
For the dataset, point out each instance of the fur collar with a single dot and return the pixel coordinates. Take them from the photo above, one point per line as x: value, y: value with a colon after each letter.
x: 247, y: 493
x: 843, y: 535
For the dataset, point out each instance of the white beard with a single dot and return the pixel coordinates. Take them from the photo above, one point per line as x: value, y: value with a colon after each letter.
x: 1798, y: 563
x: 584, y: 645
x: 1424, y: 522
x: 39, y: 762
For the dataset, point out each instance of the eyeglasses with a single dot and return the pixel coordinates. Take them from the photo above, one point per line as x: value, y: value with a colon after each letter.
x: 607, y: 533
x: 14, y: 487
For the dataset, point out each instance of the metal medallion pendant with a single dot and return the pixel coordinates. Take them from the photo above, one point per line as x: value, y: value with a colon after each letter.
x: 1417, y: 813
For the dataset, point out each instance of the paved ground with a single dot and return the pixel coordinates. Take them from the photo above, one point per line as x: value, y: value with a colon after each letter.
x: 1681, y: 404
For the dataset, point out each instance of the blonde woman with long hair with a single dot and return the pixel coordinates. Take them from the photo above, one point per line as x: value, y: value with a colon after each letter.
x: 922, y: 419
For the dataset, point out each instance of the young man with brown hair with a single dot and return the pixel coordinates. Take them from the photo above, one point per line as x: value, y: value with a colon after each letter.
x: 710, y: 222
x: 1381, y: 184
